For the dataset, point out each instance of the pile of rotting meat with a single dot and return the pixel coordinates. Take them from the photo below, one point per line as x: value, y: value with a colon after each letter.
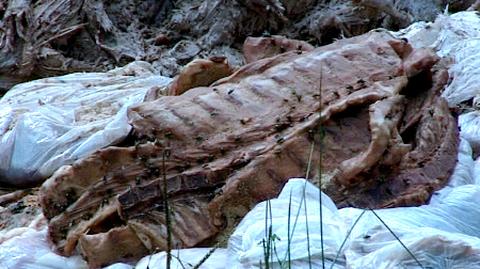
x: 371, y: 104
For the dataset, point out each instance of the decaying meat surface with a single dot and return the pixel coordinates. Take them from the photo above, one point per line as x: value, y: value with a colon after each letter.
x: 200, y: 72
x: 257, y: 48
x: 19, y: 211
x: 388, y: 139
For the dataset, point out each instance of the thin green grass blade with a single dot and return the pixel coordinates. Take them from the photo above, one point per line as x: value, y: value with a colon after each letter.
x: 320, y: 167
x: 288, y: 232
x: 397, y: 238
x: 308, y: 232
x: 346, y: 238
x: 167, y: 212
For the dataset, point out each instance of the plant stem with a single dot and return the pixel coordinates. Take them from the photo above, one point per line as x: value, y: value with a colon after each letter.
x: 167, y: 212
x: 320, y: 166
x: 397, y: 238
x: 346, y: 238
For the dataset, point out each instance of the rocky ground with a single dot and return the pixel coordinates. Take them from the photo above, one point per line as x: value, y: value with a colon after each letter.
x: 47, y: 38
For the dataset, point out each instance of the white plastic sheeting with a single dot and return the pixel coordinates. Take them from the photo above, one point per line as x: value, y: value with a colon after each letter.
x: 122, y: 266
x: 30, y: 250
x: 187, y: 258
x: 470, y: 131
x: 440, y: 235
x: 246, y: 242
x: 50, y: 122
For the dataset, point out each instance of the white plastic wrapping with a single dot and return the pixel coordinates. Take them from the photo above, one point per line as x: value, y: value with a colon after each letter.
x: 447, y: 230
x: 245, y: 243
x: 119, y: 266
x: 187, y: 259
x: 31, y: 250
x: 470, y: 128
x: 50, y: 122
x: 465, y: 72
x: 433, y: 250
x: 445, y: 34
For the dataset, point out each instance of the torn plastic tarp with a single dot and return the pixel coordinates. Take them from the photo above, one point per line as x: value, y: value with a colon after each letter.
x: 47, y: 123
x: 469, y: 123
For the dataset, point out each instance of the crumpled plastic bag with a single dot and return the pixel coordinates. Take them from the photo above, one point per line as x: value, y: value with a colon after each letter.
x: 50, y: 122
x: 470, y: 128
x: 432, y: 249
x: 246, y: 243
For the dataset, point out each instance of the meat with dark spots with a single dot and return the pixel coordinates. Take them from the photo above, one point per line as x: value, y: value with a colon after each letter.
x: 379, y: 149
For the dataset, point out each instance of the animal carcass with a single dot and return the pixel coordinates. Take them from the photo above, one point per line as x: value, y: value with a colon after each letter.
x: 369, y: 104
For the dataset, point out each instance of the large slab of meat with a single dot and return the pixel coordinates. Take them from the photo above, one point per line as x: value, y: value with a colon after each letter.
x: 388, y: 139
